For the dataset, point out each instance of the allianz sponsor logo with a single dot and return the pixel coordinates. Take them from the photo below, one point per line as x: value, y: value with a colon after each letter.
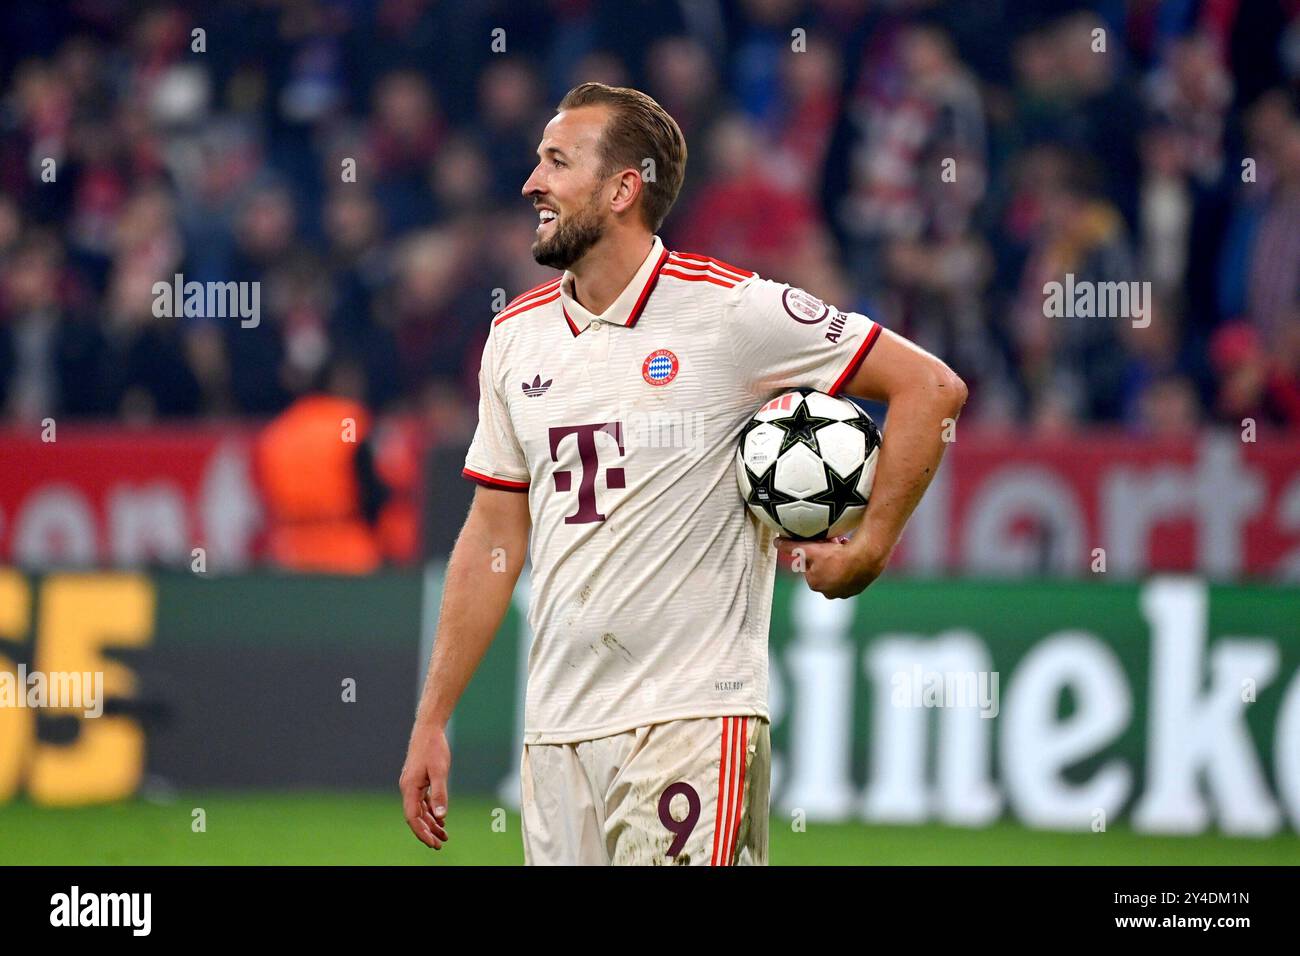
x: 1085, y: 299
x: 208, y: 300
x: 57, y: 690
x: 836, y: 327
x: 75, y: 908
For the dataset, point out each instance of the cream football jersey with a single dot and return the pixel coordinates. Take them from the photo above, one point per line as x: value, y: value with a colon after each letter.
x: 651, y: 584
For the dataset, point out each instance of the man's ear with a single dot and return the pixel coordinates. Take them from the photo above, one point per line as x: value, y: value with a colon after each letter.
x: 628, y: 187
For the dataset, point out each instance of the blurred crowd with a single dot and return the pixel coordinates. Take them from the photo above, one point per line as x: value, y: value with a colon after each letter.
x: 931, y: 164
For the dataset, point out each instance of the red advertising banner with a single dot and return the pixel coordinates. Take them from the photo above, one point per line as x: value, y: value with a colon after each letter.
x: 115, y: 496
x: 1115, y: 505
x: 1075, y: 506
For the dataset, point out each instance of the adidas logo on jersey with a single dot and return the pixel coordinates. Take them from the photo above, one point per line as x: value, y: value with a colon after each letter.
x: 538, y: 387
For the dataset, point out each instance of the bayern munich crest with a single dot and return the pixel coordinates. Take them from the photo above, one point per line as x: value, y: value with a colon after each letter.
x: 660, y: 367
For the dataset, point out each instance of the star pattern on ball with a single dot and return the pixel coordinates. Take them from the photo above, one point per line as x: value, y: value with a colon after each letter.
x: 840, y: 494
x: 765, y: 495
x: 799, y: 427
x: 749, y: 427
x: 869, y: 428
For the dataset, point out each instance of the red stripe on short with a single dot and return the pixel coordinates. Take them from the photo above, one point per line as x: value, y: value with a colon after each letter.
x: 729, y: 817
x: 740, y: 787
x: 722, y: 776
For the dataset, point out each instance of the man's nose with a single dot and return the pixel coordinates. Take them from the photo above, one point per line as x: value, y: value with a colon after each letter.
x: 532, y: 186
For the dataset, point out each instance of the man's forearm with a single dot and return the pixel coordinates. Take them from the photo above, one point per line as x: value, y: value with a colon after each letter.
x: 919, y: 422
x: 480, y: 581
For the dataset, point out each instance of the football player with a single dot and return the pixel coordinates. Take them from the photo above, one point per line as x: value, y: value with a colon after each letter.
x: 611, y: 399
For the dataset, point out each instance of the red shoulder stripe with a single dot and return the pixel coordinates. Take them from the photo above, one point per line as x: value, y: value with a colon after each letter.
x: 519, y: 310
x: 704, y: 277
x: 705, y: 267
x: 725, y: 266
x: 532, y: 293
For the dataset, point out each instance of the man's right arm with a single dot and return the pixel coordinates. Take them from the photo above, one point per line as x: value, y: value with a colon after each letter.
x: 481, y: 576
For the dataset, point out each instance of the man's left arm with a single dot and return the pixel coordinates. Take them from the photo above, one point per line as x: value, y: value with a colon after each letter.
x: 924, y: 397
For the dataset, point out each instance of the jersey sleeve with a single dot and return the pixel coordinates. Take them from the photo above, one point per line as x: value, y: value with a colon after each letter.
x: 782, y: 337
x: 494, y: 458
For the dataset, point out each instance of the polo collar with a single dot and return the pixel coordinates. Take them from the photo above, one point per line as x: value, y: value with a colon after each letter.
x: 625, y: 309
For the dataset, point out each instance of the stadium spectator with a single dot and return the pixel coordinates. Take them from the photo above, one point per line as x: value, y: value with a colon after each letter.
x: 819, y: 164
x: 316, y: 469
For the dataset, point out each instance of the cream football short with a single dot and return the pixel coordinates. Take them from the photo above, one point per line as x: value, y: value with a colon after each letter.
x: 684, y: 792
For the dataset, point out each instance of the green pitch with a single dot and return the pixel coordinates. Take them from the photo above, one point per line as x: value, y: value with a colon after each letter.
x: 321, y: 828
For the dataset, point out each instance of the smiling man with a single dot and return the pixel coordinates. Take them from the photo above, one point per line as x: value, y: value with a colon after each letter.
x: 646, y: 719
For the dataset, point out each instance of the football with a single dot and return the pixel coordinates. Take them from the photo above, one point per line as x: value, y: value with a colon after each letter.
x: 805, y: 464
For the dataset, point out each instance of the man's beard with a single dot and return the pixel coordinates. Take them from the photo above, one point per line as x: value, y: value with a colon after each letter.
x: 573, y: 238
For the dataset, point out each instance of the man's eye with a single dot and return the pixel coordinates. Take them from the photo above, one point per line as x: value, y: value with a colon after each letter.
x: 559, y: 163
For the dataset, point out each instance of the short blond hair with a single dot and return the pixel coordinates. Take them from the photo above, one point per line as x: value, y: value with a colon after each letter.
x: 638, y: 129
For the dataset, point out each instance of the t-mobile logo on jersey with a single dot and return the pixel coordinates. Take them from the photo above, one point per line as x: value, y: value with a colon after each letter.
x: 585, y: 435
